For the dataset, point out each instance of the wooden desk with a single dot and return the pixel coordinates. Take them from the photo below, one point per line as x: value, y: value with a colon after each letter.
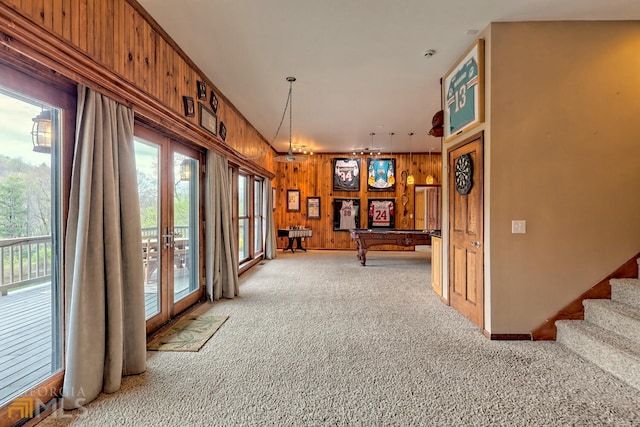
x: 295, y: 234
x: 366, y: 238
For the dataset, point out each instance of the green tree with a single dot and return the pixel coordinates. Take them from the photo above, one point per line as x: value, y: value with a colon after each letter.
x: 13, y: 205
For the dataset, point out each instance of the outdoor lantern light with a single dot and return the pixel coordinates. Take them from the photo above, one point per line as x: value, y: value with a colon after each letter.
x: 185, y: 170
x: 41, y: 132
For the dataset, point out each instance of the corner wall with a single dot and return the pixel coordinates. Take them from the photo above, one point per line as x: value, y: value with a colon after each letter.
x: 565, y: 157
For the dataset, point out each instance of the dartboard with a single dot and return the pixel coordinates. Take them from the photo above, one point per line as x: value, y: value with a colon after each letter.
x: 464, y: 174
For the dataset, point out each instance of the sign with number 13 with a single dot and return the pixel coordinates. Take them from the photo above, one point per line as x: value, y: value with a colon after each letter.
x: 464, y: 92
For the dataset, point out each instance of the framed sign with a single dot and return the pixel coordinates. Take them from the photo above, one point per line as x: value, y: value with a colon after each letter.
x: 223, y: 131
x: 346, y: 174
x: 189, y: 106
x: 381, y: 174
x: 208, y: 120
x: 346, y: 214
x: 463, y: 88
x: 293, y: 200
x: 202, y: 90
x: 381, y: 213
x: 313, y: 207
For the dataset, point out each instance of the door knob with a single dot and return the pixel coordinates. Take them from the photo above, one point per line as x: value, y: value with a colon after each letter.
x: 476, y: 244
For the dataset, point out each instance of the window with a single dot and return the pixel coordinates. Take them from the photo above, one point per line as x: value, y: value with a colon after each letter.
x: 244, y: 219
x: 258, y: 219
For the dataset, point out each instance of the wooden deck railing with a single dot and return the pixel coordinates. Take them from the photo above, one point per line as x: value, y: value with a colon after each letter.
x: 24, y: 261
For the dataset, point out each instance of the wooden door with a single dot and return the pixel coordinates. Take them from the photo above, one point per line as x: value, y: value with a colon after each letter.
x: 466, y: 253
x: 420, y: 209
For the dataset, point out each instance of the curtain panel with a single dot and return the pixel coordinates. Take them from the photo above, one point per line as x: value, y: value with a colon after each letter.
x: 104, y: 293
x: 270, y: 243
x: 221, y: 253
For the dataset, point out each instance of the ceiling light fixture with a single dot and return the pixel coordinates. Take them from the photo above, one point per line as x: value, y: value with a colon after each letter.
x: 290, y: 157
x: 410, y: 179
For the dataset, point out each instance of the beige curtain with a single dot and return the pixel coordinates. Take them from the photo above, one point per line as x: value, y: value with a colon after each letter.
x: 270, y: 243
x: 222, y: 255
x: 105, y: 319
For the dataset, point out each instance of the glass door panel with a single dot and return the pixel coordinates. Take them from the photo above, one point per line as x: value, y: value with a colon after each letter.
x: 30, y: 244
x: 183, y: 238
x: 147, y: 162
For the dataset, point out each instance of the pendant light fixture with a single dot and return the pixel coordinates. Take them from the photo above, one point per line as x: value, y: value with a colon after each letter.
x: 430, y: 178
x: 290, y: 157
x: 410, y: 179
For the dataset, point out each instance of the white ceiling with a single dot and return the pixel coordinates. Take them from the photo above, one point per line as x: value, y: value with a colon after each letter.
x: 359, y: 64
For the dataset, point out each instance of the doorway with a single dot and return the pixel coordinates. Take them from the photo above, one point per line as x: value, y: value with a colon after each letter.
x: 427, y: 207
x: 169, y: 183
x: 466, y: 206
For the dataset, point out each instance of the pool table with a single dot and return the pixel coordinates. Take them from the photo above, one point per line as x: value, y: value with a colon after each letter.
x: 365, y: 238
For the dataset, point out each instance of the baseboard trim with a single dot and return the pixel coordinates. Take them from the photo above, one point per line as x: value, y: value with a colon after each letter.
x: 508, y: 337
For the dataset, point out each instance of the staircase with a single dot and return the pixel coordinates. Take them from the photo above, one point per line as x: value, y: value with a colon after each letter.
x: 609, y: 335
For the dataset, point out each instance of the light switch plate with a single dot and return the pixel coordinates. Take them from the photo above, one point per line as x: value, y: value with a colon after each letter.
x: 518, y: 226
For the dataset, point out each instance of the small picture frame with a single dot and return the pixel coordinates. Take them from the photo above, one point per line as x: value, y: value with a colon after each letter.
x: 223, y: 131
x: 202, y: 89
x: 346, y: 214
x: 208, y: 120
x: 313, y: 207
x: 381, y: 213
x: 213, y: 102
x: 273, y: 197
x: 293, y: 200
x: 189, y: 106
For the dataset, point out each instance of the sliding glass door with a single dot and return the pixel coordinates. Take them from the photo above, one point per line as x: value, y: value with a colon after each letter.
x: 36, y: 130
x: 170, y: 187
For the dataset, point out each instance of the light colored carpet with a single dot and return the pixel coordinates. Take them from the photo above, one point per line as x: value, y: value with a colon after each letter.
x: 317, y: 340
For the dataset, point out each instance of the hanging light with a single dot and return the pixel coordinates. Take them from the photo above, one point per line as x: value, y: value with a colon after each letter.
x: 41, y: 132
x: 391, y: 142
x: 430, y: 178
x: 290, y: 157
x: 410, y: 179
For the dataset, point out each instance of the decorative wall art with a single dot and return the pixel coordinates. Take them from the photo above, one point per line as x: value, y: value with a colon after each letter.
x: 189, y: 106
x: 313, y: 207
x: 293, y: 200
x: 223, y: 131
x: 381, y: 174
x: 381, y: 213
x: 202, y: 90
x: 346, y: 174
x: 213, y: 101
x: 208, y: 120
x: 464, y: 92
x: 346, y: 214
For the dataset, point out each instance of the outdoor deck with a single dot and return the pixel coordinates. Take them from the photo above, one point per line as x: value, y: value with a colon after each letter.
x: 25, y: 336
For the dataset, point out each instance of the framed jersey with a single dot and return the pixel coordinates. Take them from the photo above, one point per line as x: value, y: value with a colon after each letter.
x: 346, y: 214
x: 346, y: 174
x: 381, y: 174
x: 463, y: 92
x: 381, y: 213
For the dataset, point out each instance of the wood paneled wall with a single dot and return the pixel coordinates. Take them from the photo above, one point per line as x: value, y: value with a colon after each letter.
x: 315, y: 178
x: 121, y: 38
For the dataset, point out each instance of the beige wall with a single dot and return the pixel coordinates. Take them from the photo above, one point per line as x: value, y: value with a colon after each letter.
x: 565, y: 157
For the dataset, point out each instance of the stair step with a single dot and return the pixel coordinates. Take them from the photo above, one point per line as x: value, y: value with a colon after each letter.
x: 613, y: 316
x: 611, y: 352
x: 626, y: 291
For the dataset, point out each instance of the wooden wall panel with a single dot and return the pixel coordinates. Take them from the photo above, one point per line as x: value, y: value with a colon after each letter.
x: 315, y: 178
x: 119, y: 36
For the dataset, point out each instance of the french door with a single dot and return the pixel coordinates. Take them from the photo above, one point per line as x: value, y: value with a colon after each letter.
x: 170, y: 188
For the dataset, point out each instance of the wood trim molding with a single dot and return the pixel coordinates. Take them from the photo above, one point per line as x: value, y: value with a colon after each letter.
x: 507, y: 337
x: 25, y: 37
x: 575, y: 310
